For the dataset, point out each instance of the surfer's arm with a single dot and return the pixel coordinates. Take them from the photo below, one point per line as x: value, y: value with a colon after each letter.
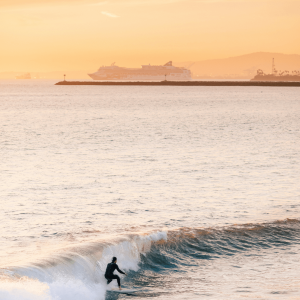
x: 120, y: 271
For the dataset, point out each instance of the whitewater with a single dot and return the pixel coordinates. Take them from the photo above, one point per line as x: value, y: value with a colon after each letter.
x: 194, y: 189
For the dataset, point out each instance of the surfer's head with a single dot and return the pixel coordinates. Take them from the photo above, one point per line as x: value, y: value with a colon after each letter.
x: 114, y: 260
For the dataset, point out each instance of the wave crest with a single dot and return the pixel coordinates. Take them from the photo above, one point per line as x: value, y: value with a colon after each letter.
x: 77, y: 272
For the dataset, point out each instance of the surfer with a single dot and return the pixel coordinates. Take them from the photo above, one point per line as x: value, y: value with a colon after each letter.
x: 109, y: 273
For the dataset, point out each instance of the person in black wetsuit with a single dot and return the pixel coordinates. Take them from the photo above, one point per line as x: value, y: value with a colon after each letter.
x: 109, y: 273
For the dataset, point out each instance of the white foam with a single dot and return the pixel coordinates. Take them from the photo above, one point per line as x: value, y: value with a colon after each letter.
x: 73, y: 289
x: 24, y: 289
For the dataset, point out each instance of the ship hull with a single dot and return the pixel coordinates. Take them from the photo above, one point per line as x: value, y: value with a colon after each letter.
x: 140, y: 77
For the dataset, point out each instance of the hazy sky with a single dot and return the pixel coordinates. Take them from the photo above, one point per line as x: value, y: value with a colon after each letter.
x: 48, y: 35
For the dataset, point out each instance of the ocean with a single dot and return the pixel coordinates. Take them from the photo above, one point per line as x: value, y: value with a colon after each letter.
x: 195, y: 190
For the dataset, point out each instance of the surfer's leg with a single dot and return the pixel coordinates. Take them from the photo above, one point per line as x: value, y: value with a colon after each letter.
x: 118, y: 279
x: 109, y: 280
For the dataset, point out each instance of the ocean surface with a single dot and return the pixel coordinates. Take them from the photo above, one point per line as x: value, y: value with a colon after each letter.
x: 196, y: 190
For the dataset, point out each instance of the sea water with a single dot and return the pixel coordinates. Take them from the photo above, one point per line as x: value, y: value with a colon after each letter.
x: 196, y: 190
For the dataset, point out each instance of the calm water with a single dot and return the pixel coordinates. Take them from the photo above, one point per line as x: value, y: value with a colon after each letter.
x: 195, y: 190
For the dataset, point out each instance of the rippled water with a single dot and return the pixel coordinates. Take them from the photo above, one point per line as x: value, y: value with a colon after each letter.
x: 195, y: 190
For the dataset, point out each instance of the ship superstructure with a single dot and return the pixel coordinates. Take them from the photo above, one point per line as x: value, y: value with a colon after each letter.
x: 147, y: 72
x: 277, y: 75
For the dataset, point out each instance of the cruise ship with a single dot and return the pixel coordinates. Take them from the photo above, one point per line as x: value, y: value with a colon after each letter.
x: 147, y: 72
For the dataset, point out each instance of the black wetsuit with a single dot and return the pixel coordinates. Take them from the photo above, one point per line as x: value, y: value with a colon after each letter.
x: 109, y: 273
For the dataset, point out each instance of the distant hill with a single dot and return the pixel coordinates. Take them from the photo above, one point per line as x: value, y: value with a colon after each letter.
x: 244, y: 66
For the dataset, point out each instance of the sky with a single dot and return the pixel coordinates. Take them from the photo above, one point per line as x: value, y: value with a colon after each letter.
x: 51, y: 35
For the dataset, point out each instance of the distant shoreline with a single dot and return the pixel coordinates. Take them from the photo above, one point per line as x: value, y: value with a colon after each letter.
x: 185, y: 83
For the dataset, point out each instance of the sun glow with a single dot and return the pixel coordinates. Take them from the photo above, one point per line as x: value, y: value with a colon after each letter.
x: 71, y: 35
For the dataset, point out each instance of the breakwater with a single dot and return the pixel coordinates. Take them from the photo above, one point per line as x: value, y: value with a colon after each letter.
x: 184, y: 83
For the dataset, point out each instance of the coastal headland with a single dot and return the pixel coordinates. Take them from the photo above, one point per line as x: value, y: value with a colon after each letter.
x: 185, y: 83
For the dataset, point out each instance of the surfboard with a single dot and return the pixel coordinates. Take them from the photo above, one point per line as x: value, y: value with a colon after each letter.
x: 123, y: 291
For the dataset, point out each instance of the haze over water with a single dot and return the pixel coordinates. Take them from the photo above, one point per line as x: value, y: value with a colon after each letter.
x: 194, y: 189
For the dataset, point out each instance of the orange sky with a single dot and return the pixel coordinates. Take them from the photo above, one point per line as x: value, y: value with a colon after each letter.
x: 50, y: 35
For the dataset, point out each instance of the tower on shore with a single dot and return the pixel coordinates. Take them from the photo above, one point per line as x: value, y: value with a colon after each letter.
x: 274, y: 71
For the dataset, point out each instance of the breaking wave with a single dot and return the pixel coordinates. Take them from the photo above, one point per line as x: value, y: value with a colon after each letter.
x: 77, y: 272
